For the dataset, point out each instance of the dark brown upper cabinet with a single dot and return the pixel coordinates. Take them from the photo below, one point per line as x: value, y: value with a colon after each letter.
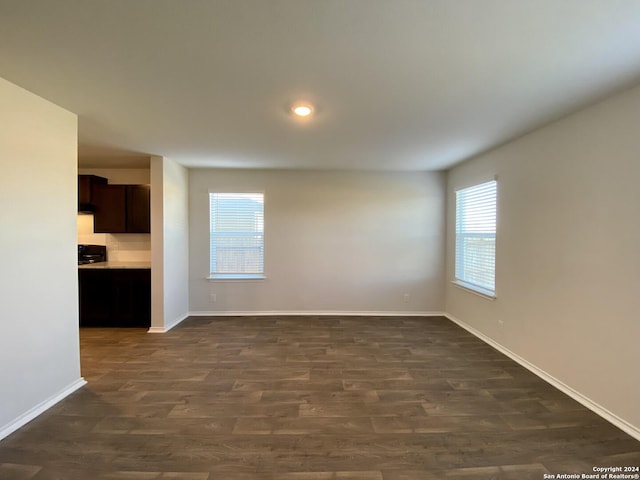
x: 122, y: 209
x: 138, y: 209
x: 111, y: 209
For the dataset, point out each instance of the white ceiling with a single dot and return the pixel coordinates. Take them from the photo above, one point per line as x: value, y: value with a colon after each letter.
x: 398, y: 84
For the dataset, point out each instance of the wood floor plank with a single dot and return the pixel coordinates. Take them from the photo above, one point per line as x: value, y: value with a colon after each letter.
x: 308, y: 398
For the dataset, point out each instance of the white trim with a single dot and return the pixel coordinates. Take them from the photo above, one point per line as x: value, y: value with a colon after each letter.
x: 156, y: 330
x: 32, y: 413
x: 563, y: 387
x: 171, y: 325
x: 479, y: 291
x: 246, y: 277
x: 314, y: 313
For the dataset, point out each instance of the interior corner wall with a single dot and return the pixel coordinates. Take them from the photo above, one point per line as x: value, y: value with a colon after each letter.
x: 39, y: 347
x: 175, y: 198
x: 169, y: 244
x: 157, y: 243
x: 335, y: 242
x: 567, y: 262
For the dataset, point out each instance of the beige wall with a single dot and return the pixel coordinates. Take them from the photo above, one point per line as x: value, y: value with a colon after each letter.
x: 170, y: 234
x: 334, y: 242
x: 39, y: 352
x: 568, y: 262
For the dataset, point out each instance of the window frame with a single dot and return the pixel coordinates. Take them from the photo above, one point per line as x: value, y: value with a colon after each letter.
x: 465, y: 283
x: 235, y: 276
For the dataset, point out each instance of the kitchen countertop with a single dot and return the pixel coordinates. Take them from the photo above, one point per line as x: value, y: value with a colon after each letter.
x: 117, y: 265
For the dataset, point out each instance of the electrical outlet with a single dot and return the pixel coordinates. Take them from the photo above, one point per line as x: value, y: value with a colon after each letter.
x: 405, y: 298
x: 213, y: 297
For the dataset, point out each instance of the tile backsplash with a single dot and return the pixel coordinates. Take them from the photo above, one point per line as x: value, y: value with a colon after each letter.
x: 121, y: 247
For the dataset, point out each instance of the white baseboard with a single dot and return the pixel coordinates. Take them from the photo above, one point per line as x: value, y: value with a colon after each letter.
x: 156, y: 330
x: 319, y: 313
x: 563, y: 387
x: 32, y: 413
x: 171, y: 325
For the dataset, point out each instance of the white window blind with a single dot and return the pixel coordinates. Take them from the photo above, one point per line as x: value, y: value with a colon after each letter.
x: 476, y: 237
x: 237, y: 235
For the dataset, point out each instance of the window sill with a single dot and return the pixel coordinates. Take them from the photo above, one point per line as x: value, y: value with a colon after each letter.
x: 479, y: 291
x: 235, y: 277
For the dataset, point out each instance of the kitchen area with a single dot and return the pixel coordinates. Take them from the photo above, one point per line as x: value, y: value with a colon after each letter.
x: 114, y: 247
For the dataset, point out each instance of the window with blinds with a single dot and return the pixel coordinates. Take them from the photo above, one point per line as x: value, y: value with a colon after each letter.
x: 237, y: 235
x: 476, y: 237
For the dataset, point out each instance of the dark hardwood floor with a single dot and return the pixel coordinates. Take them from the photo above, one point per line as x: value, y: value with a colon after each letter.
x: 309, y: 398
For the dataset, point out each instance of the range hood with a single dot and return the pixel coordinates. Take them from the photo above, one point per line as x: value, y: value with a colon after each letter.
x: 86, y: 208
x: 86, y: 192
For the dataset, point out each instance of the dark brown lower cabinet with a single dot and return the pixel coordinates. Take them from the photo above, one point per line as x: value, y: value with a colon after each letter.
x: 95, y: 297
x: 118, y: 297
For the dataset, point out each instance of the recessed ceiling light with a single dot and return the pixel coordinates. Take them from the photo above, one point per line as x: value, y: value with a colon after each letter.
x: 302, y: 109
